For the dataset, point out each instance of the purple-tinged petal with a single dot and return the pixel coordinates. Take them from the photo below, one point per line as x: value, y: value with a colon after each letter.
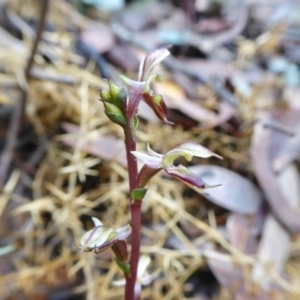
x: 145, y: 175
x: 187, y: 150
x: 123, y: 232
x: 187, y: 177
x: 150, y: 61
x: 150, y: 161
x: 153, y: 153
x: 136, y: 90
x: 158, y: 105
x: 98, y: 237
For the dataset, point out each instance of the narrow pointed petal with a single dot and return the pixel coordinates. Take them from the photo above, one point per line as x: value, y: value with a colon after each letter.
x: 150, y: 161
x: 188, y: 150
x: 144, y: 262
x: 147, y: 279
x: 97, y: 222
x: 153, y: 153
x: 156, y: 102
x: 119, y: 283
x: 123, y: 232
x: 150, y: 61
x: 187, y: 177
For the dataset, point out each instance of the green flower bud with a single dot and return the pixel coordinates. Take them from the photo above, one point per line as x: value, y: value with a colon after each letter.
x: 118, y: 95
x: 114, y: 113
x: 111, y: 108
x: 105, y: 95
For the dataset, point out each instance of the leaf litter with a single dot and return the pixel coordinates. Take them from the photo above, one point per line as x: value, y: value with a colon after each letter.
x: 225, y: 88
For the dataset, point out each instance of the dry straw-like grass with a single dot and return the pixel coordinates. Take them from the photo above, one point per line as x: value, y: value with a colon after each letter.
x: 45, y: 225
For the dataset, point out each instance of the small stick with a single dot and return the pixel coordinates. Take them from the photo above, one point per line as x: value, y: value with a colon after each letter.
x: 15, y: 121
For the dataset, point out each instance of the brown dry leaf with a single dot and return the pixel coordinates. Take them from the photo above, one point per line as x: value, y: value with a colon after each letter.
x: 243, y: 295
x: 242, y: 233
x: 261, y: 158
x: 124, y: 57
x: 175, y: 98
x: 227, y: 273
x: 212, y: 25
x: 236, y: 193
x: 274, y: 235
x: 208, y: 44
x: 59, y: 281
x: 234, y: 278
x: 225, y: 113
x: 104, y: 147
x: 144, y: 14
x: 206, y: 68
x: 9, y: 41
x: 98, y: 36
x: 289, y: 145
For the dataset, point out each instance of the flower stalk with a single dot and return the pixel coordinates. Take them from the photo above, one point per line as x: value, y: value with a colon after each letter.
x: 135, y: 210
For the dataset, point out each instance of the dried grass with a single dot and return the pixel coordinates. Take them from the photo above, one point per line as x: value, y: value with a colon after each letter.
x: 46, y: 226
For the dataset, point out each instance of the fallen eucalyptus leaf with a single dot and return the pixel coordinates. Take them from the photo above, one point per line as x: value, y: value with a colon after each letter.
x: 98, y: 36
x: 274, y: 235
x: 261, y: 158
x: 228, y: 274
x: 105, y: 147
x: 242, y: 233
x: 175, y: 98
x: 236, y: 192
x: 288, y: 146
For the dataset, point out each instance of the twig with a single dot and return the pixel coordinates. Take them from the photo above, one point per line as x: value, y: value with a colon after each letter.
x: 15, y: 121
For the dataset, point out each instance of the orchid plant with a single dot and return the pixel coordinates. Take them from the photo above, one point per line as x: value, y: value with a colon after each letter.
x: 120, y: 105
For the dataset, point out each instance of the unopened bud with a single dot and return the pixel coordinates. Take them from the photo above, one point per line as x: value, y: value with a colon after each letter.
x: 118, y: 95
x: 105, y: 95
x: 120, y: 250
x: 114, y: 113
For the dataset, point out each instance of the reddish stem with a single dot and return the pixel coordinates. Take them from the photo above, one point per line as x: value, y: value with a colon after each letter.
x: 135, y: 208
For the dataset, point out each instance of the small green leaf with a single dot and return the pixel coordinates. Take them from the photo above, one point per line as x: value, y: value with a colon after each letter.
x: 123, y: 266
x: 138, y: 194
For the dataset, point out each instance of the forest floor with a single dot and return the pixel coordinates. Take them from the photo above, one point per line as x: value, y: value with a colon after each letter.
x: 231, y: 84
